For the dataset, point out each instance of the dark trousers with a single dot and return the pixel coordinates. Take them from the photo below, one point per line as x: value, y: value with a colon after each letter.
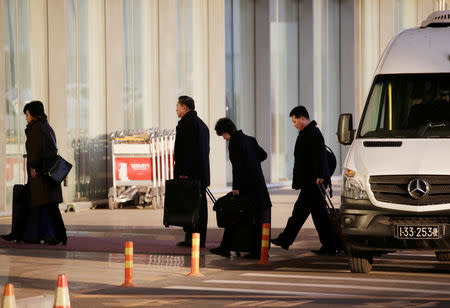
x: 202, y: 225
x: 310, y: 201
x: 44, y: 223
x: 255, y: 229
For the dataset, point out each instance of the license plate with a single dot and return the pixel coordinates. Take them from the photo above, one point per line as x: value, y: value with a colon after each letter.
x: 418, y: 232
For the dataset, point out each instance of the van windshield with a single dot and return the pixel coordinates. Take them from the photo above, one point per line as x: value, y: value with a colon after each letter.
x: 408, y: 106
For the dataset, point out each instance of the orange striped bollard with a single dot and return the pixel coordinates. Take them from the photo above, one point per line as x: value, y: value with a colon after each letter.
x: 128, y: 265
x: 9, y: 300
x: 265, y: 245
x: 62, y: 299
x: 195, y: 255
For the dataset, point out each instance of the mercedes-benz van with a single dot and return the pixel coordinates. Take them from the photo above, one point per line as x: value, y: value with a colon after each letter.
x: 396, y: 176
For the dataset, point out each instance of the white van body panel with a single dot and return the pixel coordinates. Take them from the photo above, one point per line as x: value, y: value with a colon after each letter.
x: 415, y: 157
x: 417, y: 50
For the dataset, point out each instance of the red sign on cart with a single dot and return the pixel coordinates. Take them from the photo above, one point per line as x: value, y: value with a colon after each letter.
x: 133, y: 169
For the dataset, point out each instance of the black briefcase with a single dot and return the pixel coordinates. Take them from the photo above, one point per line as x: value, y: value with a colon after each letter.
x: 232, y: 210
x: 182, y: 203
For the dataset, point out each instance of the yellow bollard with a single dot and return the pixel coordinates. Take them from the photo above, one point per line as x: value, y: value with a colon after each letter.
x: 128, y: 265
x: 264, y: 259
x: 195, y: 255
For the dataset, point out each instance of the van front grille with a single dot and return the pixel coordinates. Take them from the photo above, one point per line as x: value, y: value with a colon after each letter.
x: 394, y: 189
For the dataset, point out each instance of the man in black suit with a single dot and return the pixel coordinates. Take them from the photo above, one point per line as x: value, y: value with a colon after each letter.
x: 192, y: 159
x: 310, y: 169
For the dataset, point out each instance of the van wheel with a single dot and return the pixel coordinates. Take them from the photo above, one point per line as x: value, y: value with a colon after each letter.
x: 443, y: 255
x: 360, y: 263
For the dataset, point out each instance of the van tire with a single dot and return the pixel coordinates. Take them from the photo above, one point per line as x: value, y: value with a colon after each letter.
x: 443, y: 255
x: 360, y: 263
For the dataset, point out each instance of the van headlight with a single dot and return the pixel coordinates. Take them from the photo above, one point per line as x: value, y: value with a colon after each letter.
x: 352, y: 187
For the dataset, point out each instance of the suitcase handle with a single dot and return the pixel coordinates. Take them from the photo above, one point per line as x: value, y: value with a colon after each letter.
x: 210, y: 195
x: 327, y: 199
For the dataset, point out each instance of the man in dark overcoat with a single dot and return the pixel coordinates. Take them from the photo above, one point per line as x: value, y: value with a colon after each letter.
x: 191, y: 157
x: 310, y: 169
x: 248, y: 180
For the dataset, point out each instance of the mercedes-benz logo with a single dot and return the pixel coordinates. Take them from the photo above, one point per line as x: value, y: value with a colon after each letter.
x: 418, y: 188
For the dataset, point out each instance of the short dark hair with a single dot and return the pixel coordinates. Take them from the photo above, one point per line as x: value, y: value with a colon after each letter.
x: 35, y: 108
x: 187, y: 101
x: 299, y: 111
x: 225, y: 125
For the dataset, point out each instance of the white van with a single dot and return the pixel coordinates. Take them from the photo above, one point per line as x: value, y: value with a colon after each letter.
x: 396, y: 176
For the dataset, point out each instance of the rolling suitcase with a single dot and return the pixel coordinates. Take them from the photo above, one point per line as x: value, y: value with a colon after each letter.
x: 182, y: 203
x: 333, y: 215
x: 19, y: 211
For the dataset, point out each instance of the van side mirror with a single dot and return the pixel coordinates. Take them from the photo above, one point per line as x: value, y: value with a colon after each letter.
x: 345, y: 133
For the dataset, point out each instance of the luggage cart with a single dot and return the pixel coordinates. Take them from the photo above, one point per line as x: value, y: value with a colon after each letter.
x: 141, y: 162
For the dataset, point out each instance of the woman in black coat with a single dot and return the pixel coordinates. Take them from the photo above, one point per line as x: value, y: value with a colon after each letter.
x: 248, y: 180
x: 44, y: 218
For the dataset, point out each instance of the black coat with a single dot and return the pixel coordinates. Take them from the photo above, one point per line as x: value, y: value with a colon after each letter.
x: 310, y: 158
x: 246, y: 156
x: 192, y: 149
x: 41, y: 153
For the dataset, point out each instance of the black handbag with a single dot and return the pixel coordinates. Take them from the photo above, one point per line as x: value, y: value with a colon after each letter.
x: 59, y: 169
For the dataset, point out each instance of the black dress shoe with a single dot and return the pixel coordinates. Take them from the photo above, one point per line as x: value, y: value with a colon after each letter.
x: 8, y: 237
x: 184, y: 244
x: 278, y: 242
x: 220, y: 252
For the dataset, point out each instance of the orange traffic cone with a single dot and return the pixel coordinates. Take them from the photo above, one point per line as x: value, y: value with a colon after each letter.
x: 265, y: 244
x: 9, y: 300
x: 62, y: 299
x: 195, y: 255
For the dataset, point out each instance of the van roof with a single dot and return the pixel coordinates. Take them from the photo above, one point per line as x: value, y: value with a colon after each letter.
x: 417, y: 50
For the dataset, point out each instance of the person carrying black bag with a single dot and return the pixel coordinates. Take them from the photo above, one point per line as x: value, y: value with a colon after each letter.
x: 191, y: 155
x: 248, y: 181
x: 310, y: 169
x: 44, y: 220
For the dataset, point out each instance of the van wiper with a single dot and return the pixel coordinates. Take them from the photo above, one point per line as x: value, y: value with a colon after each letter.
x: 432, y: 125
